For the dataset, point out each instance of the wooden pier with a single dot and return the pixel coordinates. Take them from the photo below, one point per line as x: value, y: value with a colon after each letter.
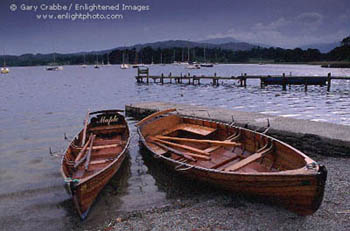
x: 282, y: 80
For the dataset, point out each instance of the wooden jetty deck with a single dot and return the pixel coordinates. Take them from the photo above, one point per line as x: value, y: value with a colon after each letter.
x: 265, y: 80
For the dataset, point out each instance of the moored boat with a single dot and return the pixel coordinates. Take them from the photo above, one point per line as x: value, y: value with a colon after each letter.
x: 193, y: 66
x: 54, y: 67
x: 236, y: 159
x: 94, y: 156
x: 124, y: 66
x: 207, y: 65
x: 5, y: 70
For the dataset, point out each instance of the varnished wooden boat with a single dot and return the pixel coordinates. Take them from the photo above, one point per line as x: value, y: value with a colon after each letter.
x: 236, y: 159
x: 94, y: 156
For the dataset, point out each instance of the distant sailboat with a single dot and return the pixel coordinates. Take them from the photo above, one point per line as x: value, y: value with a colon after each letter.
x: 4, y: 69
x: 84, y: 64
x: 108, y: 62
x: 124, y: 65
x: 96, y: 65
x: 161, y: 59
x: 190, y: 64
x: 54, y: 66
x: 206, y: 64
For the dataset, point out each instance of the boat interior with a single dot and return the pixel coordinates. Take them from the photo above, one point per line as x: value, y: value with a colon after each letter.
x: 219, y: 146
x: 90, y: 153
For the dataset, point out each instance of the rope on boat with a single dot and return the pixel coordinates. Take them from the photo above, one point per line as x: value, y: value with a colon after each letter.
x: 55, y: 154
x: 70, y: 180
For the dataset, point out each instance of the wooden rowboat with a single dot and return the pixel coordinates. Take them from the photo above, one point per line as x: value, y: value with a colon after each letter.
x: 236, y: 159
x: 94, y: 156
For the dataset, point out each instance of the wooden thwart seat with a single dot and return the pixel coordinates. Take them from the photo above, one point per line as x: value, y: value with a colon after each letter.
x: 107, y: 128
x: 249, y: 159
x: 193, y: 128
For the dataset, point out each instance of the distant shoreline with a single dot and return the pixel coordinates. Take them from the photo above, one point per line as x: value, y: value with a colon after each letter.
x: 325, y: 64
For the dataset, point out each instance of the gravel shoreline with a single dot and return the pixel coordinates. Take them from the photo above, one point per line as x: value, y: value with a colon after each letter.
x: 199, y: 207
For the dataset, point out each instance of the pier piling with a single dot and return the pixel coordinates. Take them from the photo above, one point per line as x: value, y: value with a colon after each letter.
x: 281, y: 80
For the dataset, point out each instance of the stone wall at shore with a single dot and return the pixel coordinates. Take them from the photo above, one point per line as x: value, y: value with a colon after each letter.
x: 312, y: 138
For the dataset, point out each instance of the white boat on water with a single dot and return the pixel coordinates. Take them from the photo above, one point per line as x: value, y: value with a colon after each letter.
x: 54, y: 68
x: 193, y: 66
x: 5, y: 70
x: 207, y: 65
x: 124, y: 66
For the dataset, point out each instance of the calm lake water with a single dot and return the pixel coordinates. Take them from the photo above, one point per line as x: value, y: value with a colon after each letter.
x: 38, y: 107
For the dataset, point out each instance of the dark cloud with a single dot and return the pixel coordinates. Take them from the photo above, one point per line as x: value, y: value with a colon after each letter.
x: 274, y: 22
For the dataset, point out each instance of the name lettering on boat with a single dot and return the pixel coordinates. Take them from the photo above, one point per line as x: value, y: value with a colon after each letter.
x: 108, y: 120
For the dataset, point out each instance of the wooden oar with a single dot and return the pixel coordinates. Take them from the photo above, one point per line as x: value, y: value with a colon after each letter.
x: 186, y: 147
x: 179, y: 153
x: 85, y: 127
x: 224, y: 143
x: 88, y: 157
x: 82, y: 151
x: 154, y: 115
x: 105, y: 146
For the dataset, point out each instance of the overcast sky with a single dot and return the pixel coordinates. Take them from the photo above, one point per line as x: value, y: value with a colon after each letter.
x: 283, y: 23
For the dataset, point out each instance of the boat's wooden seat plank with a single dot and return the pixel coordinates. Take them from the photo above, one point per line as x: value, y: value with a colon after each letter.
x: 103, y: 141
x: 193, y: 128
x: 248, y: 160
x: 236, y: 156
x: 107, y: 128
x: 217, y: 158
x: 107, y: 152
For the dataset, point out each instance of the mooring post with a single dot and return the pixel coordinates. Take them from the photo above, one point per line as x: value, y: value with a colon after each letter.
x: 170, y: 78
x: 162, y: 79
x: 241, y: 80
x: 284, y: 84
x: 147, y: 73
x: 245, y: 80
x: 329, y: 82
x: 306, y: 84
x: 261, y: 83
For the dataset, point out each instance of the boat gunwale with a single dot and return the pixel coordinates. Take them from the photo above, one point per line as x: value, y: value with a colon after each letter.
x: 304, y: 171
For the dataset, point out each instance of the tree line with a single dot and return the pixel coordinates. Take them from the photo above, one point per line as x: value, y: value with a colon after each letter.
x: 149, y: 55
